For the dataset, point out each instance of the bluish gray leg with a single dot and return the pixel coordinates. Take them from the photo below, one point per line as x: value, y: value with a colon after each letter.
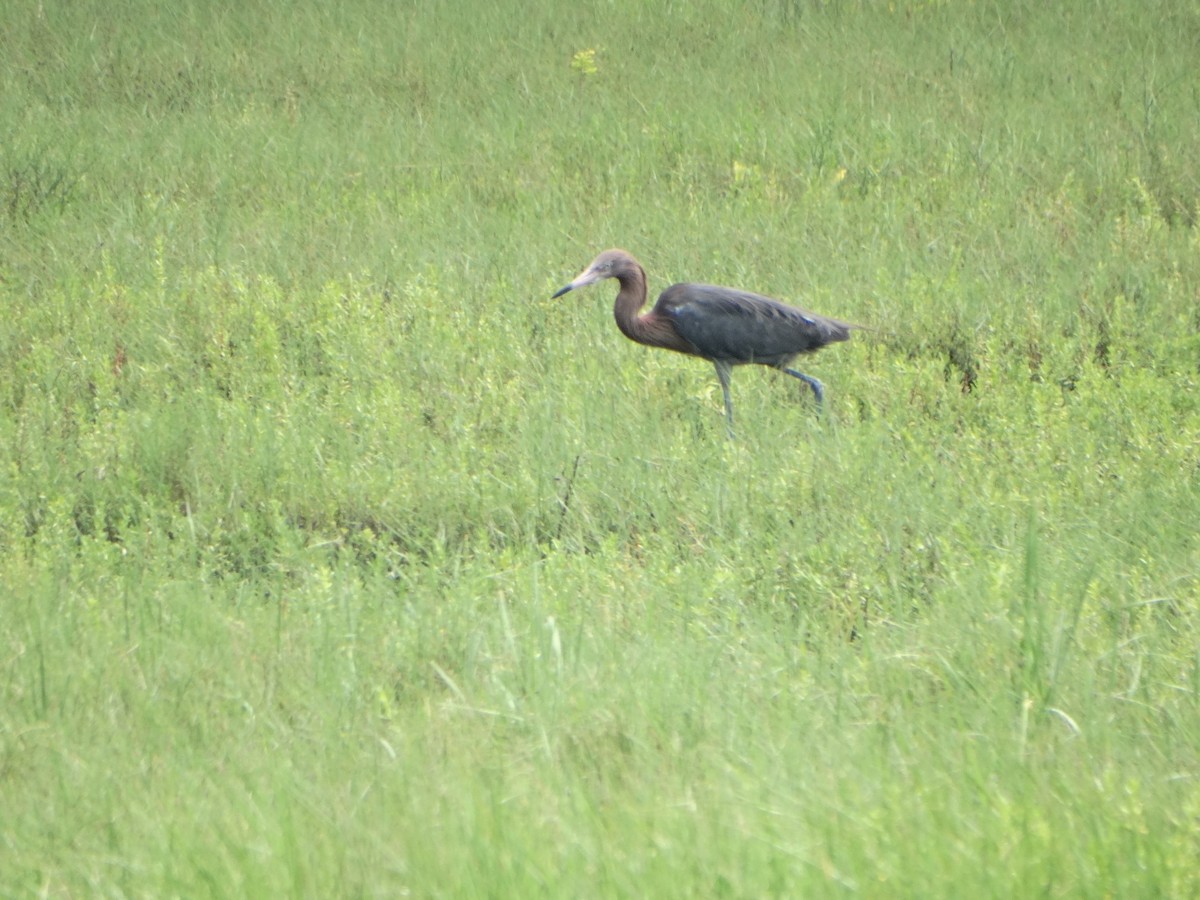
x: 723, y: 371
x: 817, y: 388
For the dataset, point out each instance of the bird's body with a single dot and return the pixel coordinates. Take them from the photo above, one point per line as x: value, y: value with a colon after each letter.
x: 726, y: 326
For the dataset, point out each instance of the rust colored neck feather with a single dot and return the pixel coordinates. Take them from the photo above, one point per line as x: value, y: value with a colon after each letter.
x: 651, y: 329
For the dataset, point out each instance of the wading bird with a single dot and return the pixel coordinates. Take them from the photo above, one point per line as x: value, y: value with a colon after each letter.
x: 728, y: 327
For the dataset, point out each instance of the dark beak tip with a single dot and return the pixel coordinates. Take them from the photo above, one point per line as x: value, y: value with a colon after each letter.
x: 560, y: 292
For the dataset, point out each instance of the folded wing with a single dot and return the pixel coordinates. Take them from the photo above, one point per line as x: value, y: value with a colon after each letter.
x: 741, y: 327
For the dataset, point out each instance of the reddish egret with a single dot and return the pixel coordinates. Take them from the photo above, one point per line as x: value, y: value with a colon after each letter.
x: 728, y: 327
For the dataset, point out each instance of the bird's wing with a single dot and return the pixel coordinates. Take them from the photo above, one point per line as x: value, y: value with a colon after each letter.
x: 738, y: 326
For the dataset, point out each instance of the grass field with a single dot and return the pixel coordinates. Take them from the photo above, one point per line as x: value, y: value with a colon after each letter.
x: 338, y: 560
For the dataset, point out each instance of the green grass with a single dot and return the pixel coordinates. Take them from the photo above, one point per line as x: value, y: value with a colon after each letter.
x: 338, y: 560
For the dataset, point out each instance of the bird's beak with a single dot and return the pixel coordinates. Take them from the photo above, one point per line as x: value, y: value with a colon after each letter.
x: 584, y: 278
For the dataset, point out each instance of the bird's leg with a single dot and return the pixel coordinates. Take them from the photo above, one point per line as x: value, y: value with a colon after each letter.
x: 723, y: 370
x: 817, y: 388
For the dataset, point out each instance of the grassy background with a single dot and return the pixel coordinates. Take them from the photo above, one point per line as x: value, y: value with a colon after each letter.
x: 339, y: 561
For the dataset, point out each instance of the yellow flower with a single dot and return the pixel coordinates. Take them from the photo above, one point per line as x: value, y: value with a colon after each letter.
x: 584, y: 62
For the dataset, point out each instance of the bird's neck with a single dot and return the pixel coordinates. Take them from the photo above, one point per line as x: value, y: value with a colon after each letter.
x: 651, y: 329
x: 630, y: 300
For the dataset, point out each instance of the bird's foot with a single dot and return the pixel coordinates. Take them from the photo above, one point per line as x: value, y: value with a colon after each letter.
x: 818, y: 389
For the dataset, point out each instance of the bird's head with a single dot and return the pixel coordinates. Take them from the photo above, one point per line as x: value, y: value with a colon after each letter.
x: 609, y: 264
